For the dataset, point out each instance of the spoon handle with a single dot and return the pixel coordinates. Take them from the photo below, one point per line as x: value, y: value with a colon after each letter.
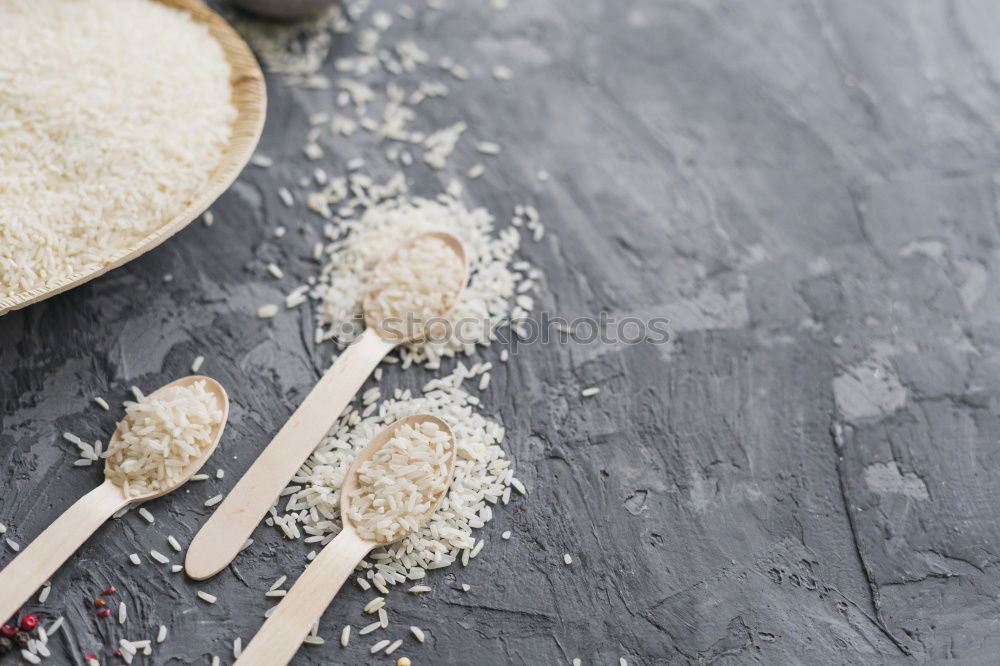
x: 280, y: 637
x: 225, y: 532
x: 43, y: 556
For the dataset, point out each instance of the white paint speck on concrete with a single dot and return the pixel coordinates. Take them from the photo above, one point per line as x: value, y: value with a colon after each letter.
x: 868, y: 389
x: 886, y: 478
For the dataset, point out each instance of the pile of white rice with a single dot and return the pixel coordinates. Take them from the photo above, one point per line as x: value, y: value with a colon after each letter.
x: 400, y: 483
x: 494, y: 295
x: 160, y: 435
x: 420, y: 282
x: 483, y: 476
x: 113, y: 114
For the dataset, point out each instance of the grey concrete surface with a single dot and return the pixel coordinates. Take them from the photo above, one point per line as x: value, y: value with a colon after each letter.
x: 806, y: 189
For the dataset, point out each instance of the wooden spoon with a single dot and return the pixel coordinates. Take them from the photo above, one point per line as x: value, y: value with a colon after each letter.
x: 225, y: 532
x: 281, y: 635
x: 43, y: 556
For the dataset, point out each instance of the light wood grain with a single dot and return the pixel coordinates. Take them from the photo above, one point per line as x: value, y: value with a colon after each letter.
x: 36, y: 563
x: 249, y: 98
x: 222, y: 536
x: 277, y: 641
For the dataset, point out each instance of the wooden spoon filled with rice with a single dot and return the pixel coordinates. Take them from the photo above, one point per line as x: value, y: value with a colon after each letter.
x: 390, y: 491
x: 163, y: 440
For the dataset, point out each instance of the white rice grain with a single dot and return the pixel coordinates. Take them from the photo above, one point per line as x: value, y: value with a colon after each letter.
x: 488, y: 148
x: 502, y: 73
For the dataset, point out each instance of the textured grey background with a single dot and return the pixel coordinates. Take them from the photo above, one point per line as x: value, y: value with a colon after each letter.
x: 806, y: 189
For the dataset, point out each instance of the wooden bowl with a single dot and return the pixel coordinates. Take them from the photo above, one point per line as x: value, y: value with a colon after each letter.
x: 250, y: 100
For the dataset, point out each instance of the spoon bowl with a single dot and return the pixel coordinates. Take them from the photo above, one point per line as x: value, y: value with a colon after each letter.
x: 213, y: 387
x: 418, y: 332
x: 371, y: 448
x: 278, y: 640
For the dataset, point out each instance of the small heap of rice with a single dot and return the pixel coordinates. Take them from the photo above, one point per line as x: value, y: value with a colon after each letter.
x: 113, y: 114
x: 420, y: 282
x: 400, y: 483
x: 483, y: 476
x: 492, y: 298
x: 160, y: 435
